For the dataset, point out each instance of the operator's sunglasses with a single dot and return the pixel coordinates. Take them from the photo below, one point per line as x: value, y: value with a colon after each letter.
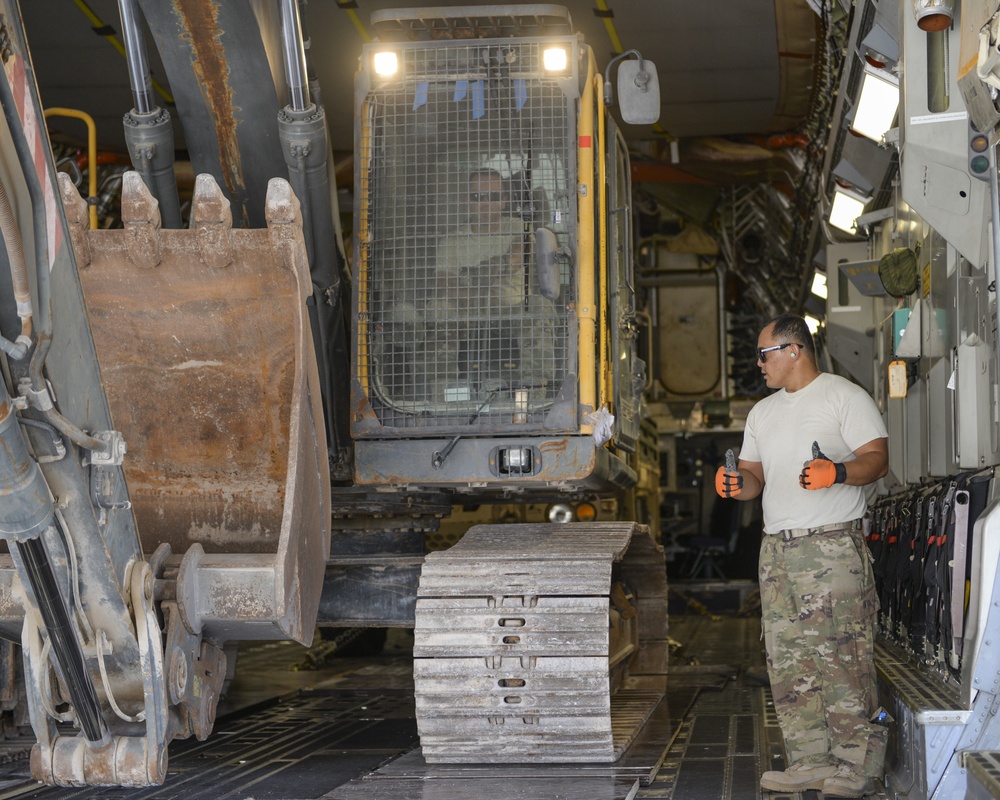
x: 485, y: 197
x: 763, y: 351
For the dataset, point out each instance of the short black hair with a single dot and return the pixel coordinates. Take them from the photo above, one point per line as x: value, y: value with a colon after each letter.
x: 793, y: 328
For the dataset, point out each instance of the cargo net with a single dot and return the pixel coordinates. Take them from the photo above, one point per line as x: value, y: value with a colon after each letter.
x: 461, y: 172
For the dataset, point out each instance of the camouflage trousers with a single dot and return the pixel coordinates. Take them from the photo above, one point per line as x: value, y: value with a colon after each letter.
x: 818, y: 607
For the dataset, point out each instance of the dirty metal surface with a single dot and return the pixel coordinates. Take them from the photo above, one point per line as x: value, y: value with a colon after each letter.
x: 923, y: 692
x: 984, y: 775
x: 514, y: 658
x: 728, y: 733
x: 639, y: 762
x: 401, y: 25
x: 715, y: 730
x: 570, y: 559
x: 570, y: 459
x: 300, y: 748
x: 215, y: 57
x: 576, y: 788
x: 199, y: 350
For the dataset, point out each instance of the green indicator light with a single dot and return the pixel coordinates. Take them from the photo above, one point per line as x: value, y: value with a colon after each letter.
x: 979, y: 164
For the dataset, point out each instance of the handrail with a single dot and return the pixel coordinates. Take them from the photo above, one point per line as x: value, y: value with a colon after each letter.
x: 91, y: 155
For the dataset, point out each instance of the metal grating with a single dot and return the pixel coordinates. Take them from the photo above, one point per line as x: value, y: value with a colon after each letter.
x: 462, y: 160
x: 933, y: 697
x: 298, y: 748
x: 984, y: 774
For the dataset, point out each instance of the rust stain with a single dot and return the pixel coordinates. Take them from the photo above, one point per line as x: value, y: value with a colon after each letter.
x: 199, y: 368
x: 554, y: 446
x: 200, y: 21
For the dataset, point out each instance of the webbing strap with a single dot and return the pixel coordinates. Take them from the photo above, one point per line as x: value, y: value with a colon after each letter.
x: 958, y: 575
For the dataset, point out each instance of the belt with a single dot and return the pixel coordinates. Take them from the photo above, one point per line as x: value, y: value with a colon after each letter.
x: 797, y: 533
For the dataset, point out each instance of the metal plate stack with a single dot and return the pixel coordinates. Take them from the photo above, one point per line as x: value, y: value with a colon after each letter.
x: 513, y: 655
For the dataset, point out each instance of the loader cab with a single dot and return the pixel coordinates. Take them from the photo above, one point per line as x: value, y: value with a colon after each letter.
x: 494, y: 331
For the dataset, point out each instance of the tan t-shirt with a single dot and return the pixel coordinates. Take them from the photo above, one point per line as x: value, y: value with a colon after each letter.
x: 780, y: 431
x: 478, y: 261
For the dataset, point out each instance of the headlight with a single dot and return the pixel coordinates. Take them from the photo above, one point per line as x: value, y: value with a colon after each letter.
x: 560, y: 513
x: 386, y: 63
x: 555, y: 59
x: 586, y: 512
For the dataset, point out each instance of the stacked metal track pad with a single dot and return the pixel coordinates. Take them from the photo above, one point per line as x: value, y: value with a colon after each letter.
x: 515, y: 653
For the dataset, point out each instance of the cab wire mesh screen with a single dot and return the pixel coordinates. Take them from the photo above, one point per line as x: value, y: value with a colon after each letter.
x: 465, y: 157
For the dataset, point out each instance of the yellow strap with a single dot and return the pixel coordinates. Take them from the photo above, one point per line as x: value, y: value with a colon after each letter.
x: 618, y: 48
x: 359, y: 24
x: 97, y: 22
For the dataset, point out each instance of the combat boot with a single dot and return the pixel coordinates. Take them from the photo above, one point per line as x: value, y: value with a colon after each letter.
x: 798, y: 777
x: 848, y: 782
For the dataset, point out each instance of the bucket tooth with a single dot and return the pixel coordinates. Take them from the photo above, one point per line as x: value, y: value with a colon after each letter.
x: 141, y: 219
x: 77, y: 214
x: 284, y: 223
x: 282, y: 206
x: 212, y: 219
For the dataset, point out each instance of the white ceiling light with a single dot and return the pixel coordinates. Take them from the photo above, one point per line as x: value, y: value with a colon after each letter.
x: 878, y: 101
x: 819, y: 284
x: 846, y: 208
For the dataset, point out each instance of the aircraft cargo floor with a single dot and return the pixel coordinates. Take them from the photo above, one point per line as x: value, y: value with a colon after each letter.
x: 346, y: 730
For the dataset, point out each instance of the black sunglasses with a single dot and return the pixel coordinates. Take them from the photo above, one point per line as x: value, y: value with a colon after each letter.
x: 485, y: 197
x: 763, y: 351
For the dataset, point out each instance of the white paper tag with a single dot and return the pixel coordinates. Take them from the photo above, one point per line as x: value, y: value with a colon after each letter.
x: 897, y: 379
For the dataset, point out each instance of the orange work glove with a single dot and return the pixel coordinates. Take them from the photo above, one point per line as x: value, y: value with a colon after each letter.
x: 728, y: 484
x: 728, y: 481
x: 821, y: 472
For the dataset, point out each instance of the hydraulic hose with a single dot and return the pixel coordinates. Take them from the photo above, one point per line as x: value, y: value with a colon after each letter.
x: 62, y: 637
x: 26, y: 159
x: 304, y: 141
x: 19, y: 277
x: 43, y: 326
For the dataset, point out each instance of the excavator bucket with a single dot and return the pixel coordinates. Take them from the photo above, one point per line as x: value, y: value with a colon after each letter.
x: 207, y: 359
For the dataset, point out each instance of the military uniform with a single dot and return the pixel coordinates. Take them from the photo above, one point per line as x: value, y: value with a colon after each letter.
x: 819, y: 605
x: 817, y: 590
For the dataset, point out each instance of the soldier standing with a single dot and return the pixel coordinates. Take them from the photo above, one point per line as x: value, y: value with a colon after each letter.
x: 817, y: 589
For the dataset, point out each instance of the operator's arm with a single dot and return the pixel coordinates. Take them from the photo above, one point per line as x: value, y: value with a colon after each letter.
x: 512, y: 257
x: 753, y: 479
x: 871, y: 462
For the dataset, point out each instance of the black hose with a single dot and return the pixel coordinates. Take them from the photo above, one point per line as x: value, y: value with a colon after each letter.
x: 62, y: 637
x: 41, y: 248
x: 41, y: 243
